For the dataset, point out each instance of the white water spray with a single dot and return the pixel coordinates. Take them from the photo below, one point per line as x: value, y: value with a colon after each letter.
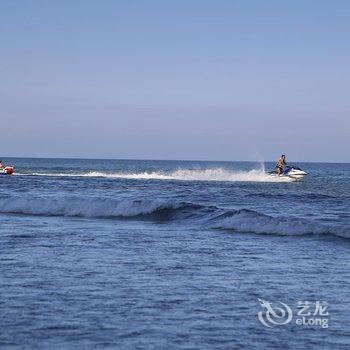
x: 212, y: 174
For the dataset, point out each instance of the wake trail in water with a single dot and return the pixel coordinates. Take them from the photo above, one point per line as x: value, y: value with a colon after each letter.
x: 213, y: 174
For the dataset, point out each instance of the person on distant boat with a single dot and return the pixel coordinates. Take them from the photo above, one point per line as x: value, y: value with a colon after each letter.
x: 281, y: 164
x: 2, y: 166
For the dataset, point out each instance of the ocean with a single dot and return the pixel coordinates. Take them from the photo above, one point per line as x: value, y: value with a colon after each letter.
x: 137, y: 254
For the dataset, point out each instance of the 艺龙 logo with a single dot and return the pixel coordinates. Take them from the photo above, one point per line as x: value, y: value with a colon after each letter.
x: 309, y: 314
x: 274, y: 316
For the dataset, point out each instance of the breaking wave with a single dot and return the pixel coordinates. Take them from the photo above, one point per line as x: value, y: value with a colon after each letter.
x: 214, y: 174
x: 251, y: 221
x: 203, y: 217
x: 84, y: 207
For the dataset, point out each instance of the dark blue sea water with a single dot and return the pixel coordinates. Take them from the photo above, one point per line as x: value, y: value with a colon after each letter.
x: 172, y: 255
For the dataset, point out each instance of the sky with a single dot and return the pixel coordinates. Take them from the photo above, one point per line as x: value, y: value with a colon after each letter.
x: 184, y: 79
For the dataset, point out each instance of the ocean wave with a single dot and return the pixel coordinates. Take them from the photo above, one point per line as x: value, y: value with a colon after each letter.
x: 200, y: 216
x: 86, y: 207
x: 213, y: 174
x: 302, y: 196
x: 249, y: 221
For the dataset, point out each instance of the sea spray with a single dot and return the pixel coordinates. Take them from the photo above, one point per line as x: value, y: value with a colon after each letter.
x: 211, y: 174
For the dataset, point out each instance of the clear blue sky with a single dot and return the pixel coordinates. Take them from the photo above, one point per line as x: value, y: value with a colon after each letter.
x: 184, y: 79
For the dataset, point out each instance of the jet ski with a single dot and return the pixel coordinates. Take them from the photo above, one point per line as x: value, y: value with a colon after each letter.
x: 7, y: 170
x: 290, y: 171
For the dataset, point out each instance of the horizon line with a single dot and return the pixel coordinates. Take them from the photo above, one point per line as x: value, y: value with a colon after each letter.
x: 169, y: 160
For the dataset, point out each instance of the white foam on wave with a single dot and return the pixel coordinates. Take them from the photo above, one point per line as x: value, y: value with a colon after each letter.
x: 243, y: 221
x: 252, y: 222
x: 213, y: 174
x: 83, y: 207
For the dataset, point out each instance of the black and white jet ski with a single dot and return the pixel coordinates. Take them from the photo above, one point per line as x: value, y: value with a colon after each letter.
x: 290, y: 171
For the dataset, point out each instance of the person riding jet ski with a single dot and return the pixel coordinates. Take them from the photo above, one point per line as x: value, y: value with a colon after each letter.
x: 281, y: 164
x: 287, y: 171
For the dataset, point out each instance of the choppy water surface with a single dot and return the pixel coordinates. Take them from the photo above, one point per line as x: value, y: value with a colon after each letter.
x: 160, y: 254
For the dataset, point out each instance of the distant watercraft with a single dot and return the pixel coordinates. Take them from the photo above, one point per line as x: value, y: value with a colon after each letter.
x: 7, y: 170
x: 291, y: 171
